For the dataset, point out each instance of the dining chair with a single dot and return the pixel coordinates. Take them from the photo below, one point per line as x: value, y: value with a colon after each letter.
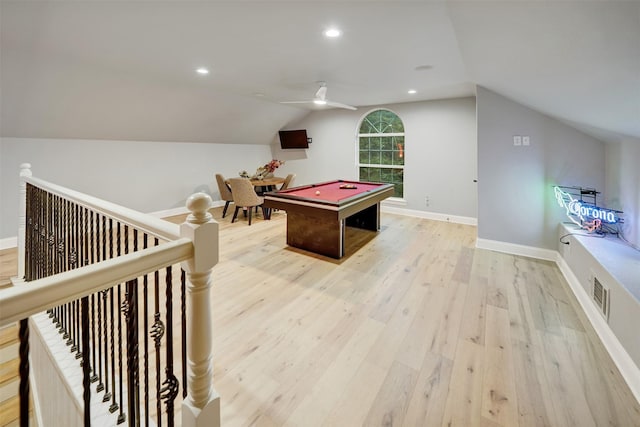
x: 225, y: 192
x: 244, y: 196
x: 287, y: 181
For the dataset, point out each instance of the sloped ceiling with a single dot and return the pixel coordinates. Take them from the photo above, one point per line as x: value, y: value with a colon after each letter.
x: 125, y: 70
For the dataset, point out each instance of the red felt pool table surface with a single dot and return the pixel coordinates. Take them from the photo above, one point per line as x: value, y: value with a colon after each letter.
x: 331, y: 191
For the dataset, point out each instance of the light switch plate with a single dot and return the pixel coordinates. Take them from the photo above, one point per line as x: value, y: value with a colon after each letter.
x: 517, y: 140
x: 525, y: 140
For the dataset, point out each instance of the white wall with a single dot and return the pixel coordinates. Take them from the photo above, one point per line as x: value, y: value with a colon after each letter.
x: 145, y: 176
x: 623, y: 185
x: 440, y: 148
x: 515, y: 187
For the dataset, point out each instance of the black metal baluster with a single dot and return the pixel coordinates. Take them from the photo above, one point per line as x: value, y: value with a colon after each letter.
x: 57, y: 227
x: 28, y: 250
x: 132, y: 352
x: 114, y: 405
x: 43, y: 235
x: 170, y: 389
x: 107, y: 394
x: 99, y: 295
x: 183, y: 309
x: 157, y: 331
x: 135, y: 340
x: 59, y: 234
x: 33, y: 233
x: 78, y: 336
x: 36, y: 233
x: 24, y: 372
x: 66, y: 323
x: 65, y: 235
x: 145, y: 316
x: 91, y: 252
x: 71, y: 324
x: 121, y: 416
x: 39, y: 239
x: 51, y: 238
x: 78, y: 242
x: 86, y: 381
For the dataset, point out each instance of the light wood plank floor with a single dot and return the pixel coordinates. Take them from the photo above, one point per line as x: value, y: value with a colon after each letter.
x: 413, y: 327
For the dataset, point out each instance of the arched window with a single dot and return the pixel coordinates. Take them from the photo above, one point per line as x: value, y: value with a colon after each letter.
x: 381, y: 149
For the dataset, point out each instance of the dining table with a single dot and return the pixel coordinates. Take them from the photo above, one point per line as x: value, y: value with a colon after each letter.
x: 266, y: 184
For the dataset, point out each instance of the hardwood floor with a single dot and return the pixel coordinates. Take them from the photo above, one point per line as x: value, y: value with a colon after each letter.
x: 416, y: 327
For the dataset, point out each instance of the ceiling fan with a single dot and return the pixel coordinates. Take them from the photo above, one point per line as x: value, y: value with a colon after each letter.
x: 321, y: 99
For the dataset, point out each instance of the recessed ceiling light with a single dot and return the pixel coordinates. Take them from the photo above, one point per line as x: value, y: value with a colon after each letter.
x: 423, y: 67
x: 258, y: 94
x: 202, y: 71
x: 333, y: 33
x: 412, y: 91
x: 320, y: 102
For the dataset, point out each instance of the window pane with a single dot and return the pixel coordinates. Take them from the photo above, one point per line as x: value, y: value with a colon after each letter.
x: 398, y: 175
x: 375, y: 158
x: 377, y: 121
x: 386, y: 143
x: 396, y: 125
x: 386, y: 175
x: 374, y: 174
x: 364, y: 157
x: 374, y: 144
x: 364, y: 174
x: 364, y: 143
x: 397, y: 158
x: 386, y: 158
x: 398, y: 190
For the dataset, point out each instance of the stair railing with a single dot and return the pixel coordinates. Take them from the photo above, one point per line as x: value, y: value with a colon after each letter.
x: 67, y: 266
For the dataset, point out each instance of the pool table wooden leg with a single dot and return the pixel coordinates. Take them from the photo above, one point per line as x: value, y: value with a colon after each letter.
x: 315, y: 234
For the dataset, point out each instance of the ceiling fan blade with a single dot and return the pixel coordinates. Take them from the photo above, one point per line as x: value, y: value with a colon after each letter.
x: 339, y: 105
x: 310, y: 101
x: 322, y: 93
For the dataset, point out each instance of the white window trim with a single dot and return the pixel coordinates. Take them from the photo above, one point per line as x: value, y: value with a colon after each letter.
x: 367, y: 165
x: 398, y: 201
x: 379, y: 135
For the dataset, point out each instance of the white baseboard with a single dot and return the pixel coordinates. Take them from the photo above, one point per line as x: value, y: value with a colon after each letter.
x: 630, y: 372
x: 515, y: 249
x: 170, y: 212
x: 430, y: 215
x: 181, y: 210
x: 9, y: 242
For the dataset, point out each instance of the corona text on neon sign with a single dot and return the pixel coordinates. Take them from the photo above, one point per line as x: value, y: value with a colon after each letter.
x: 580, y: 212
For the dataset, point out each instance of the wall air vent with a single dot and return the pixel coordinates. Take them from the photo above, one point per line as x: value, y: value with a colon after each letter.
x: 601, y: 297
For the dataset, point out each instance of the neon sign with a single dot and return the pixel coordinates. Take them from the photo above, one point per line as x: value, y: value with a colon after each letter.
x: 584, y: 214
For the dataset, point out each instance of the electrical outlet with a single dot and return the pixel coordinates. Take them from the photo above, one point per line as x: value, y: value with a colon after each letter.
x: 426, y: 201
x: 526, y: 140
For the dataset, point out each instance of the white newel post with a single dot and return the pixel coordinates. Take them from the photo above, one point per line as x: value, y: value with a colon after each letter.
x: 25, y: 171
x: 202, y: 405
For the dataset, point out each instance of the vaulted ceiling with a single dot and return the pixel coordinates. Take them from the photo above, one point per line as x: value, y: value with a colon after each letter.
x: 125, y: 70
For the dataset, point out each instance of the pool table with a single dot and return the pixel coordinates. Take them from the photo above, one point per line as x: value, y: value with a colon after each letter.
x: 318, y: 213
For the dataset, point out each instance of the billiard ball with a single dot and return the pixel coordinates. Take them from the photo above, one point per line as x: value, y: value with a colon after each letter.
x: 318, y: 193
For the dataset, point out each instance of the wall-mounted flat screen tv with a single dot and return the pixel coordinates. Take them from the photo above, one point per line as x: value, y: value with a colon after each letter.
x: 293, y: 139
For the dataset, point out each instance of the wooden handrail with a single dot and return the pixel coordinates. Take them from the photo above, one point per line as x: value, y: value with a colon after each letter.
x: 21, y: 301
x: 143, y: 222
